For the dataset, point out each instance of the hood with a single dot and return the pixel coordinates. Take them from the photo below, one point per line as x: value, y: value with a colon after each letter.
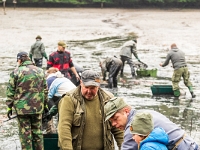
x: 157, y: 135
x: 175, y: 49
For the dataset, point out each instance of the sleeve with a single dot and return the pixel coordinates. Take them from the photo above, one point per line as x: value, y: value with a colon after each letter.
x: 134, y: 51
x: 129, y: 143
x: 43, y: 51
x: 50, y: 62
x: 10, y: 92
x: 118, y: 135
x: 166, y: 60
x: 45, y: 92
x: 66, y: 111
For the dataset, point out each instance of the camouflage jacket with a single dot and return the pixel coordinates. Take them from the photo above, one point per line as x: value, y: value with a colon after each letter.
x: 38, y: 50
x: 27, y: 89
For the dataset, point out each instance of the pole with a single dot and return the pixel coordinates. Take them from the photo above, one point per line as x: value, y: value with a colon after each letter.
x: 4, y: 6
x: 10, y: 118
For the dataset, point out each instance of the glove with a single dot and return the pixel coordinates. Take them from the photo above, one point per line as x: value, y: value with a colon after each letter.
x: 31, y: 56
x: 9, y: 112
x: 138, y: 59
x: 53, y: 111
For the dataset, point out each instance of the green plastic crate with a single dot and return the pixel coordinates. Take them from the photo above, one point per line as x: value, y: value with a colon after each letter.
x: 146, y: 72
x: 50, y: 142
x: 162, y: 90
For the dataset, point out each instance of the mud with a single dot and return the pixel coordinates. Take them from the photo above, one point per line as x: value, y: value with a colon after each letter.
x: 96, y: 33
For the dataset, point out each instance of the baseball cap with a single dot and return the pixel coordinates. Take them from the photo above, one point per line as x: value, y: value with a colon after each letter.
x: 90, y: 78
x: 20, y: 54
x: 142, y: 124
x: 113, y: 105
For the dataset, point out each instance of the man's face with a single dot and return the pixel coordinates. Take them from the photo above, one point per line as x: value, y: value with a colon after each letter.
x: 119, y: 119
x: 89, y: 92
x: 60, y: 48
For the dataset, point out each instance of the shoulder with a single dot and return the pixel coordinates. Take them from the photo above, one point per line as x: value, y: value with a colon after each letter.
x: 54, y: 53
x: 106, y: 94
x: 67, y: 52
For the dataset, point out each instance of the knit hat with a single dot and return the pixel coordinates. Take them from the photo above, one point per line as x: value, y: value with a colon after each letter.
x: 142, y: 124
x: 61, y: 43
x: 113, y: 105
x: 90, y: 78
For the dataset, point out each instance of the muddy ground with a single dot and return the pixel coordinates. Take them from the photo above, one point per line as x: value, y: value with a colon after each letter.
x: 96, y: 33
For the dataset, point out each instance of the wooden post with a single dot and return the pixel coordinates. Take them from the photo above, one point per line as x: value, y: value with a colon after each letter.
x: 4, y: 6
x: 101, y: 4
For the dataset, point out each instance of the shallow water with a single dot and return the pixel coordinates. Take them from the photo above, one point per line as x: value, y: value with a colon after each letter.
x: 87, y: 52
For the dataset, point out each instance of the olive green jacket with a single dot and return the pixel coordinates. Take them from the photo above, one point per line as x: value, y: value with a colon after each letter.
x: 72, y: 121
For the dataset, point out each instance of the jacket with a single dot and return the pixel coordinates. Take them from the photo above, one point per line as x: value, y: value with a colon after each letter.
x: 156, y: 140
x: 27, y: 89
x: 177, y: 58
x: 62, y: 61
x: 72, y: 121
x: 128, y: 49
x: 37, y: 50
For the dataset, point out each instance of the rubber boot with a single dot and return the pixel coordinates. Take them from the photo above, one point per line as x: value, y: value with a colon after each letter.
x: 191, y: 91
x: 176, y: 93
x: 193, y: 95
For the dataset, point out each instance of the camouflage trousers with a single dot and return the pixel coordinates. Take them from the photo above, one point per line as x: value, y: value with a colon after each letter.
x: 30, y: 131
x: 176, y: 78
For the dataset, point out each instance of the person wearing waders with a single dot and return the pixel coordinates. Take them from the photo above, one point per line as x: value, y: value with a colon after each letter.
x: 126, y: 52
x: 112, y: 65
x: 37, y: 52
x: 177, y: 58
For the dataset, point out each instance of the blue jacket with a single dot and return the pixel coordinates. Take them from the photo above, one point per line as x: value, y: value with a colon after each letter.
x: 157, y: 140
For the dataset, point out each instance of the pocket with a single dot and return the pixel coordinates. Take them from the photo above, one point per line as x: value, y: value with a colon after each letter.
x: 77, y: 120
x: 176, y: 76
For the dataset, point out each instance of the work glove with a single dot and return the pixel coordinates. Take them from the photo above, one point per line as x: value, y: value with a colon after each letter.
x: 53, y: 111
x: 9, y: 112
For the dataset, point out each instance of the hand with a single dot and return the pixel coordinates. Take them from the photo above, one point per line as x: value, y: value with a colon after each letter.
x: 161, y: 64
x: 138, y: 59
x: 53, y: 111
x: 77, y: 77
x: 9, y: 112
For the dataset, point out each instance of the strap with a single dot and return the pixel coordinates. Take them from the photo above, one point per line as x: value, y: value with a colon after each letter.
x: 179, y: 141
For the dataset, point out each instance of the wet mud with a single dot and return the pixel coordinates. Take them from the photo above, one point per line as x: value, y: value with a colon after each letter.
x: 93, y: 34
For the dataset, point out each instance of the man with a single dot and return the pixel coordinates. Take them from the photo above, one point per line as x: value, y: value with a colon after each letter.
x: 177, y: 58
x: 61, y: 59
x: 126, y: 52
x: 113, y: 66
x: 121, y: 114
x: 27, y: 93
x: 81, y: 117
x: 37, y: 52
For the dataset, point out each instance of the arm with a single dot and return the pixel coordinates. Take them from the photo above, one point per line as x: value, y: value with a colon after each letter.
x: 129, y: 143
x: 66, y: 112
x: 43, y: 51
x: 10, y: 91
x: 50, y: 62
x: 74, y: 71
x: 134, y: 52
x: 118, y: 135
x: 166, y: 61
